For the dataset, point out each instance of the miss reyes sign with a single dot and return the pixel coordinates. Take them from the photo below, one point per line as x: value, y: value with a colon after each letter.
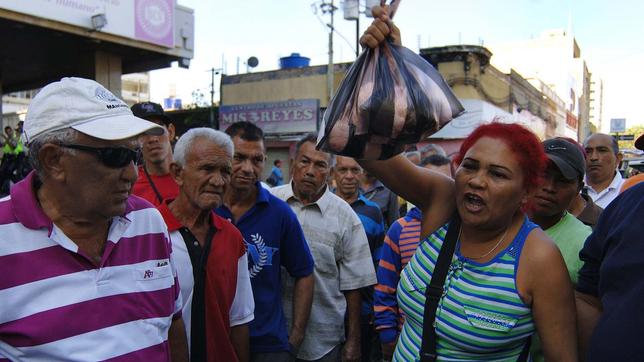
x: 293, y: 116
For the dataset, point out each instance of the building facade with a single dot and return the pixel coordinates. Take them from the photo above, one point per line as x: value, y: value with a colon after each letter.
x: 553, y: 58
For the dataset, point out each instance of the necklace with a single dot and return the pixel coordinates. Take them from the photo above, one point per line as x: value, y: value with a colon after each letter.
x: 491, y: 250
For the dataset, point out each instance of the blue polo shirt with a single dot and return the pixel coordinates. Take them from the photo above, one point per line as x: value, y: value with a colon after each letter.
x: 371, y: 217
x: 274, y: 238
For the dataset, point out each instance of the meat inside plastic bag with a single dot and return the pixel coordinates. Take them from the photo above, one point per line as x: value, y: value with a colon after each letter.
x: 390, y: 97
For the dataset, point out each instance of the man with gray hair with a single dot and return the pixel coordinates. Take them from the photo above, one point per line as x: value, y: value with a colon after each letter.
x: 209, y: 251
x: 87, y: 270
x: 602, y: 177
x: 343, y: 263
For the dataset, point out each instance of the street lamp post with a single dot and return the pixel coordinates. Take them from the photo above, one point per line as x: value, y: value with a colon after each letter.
x: 352, y: 12
x: 213, y: 71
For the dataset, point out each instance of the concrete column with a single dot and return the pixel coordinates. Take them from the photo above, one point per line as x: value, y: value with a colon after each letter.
x: 1, y: 94
x: 108, y: 71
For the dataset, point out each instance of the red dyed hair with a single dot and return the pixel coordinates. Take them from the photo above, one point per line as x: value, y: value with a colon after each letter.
x: 524, y: 144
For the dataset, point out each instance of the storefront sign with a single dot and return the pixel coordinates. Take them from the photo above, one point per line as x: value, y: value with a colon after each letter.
x: 571, y: 120
x: 145, y: 20
x: 294, y: 116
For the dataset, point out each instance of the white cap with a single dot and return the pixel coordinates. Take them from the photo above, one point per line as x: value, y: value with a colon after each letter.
x: 85, y: 106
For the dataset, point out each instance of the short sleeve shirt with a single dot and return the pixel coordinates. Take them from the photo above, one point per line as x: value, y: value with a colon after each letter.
x: 342, y: 262
x: 56, y: 303
x: 165, y: 184
x: 569, y: 235
x: 273, y: 238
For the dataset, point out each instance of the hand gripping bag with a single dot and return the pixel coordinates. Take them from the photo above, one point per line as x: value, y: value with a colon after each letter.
x: 390, y: 97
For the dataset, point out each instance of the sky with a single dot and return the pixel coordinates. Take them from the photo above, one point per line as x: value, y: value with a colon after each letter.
x: 609, y: 33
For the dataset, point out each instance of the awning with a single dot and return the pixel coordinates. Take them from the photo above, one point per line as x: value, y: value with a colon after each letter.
x: 477, y: 112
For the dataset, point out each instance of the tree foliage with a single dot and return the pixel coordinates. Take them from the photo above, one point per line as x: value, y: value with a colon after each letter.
x: 636, y: 131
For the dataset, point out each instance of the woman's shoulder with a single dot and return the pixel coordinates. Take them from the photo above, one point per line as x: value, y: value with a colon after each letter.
x: 540, y: 247
x: 541, y: 264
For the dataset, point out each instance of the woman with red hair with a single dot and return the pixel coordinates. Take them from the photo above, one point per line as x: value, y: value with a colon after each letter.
x: 506, y: 279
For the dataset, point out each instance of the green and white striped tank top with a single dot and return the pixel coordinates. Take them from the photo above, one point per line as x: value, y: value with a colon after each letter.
x: 480, y: 315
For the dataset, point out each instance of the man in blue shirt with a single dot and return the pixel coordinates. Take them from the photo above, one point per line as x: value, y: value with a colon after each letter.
x: 275, y: 178
x: 610, y: 289
x: 274, y: 238
x: 347, y: 174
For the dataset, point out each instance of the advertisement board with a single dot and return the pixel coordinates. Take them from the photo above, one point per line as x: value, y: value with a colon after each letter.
x: 150, y: 21
x: 617, y: 125
x: 292, y: 116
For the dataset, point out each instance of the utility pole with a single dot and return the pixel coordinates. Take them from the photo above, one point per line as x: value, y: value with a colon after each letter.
x: 329, y: 8
x: 212, y: 98
x: 213, y: 71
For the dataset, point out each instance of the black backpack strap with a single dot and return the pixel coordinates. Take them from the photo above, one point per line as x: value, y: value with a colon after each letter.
x: 525, y: 352
x: 154, y: 188
x: 434, y: 290
x: 198, y: 258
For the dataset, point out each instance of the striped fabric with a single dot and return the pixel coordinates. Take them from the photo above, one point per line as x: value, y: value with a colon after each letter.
x: 56, y: 305
x: 400, y: 245
x: 479, y: 317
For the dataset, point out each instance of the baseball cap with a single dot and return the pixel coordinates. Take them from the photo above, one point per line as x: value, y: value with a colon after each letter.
x: 639, y: 143
x: 146, y: 110
x: 85, y: 106
x: 566, y: 156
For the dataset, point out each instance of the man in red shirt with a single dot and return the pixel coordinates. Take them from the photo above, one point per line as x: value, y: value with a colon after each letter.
x: 208, y: 251
x: 154, y: 182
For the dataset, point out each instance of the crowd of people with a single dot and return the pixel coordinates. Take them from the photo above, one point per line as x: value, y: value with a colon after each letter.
x: 13, y: 166
x: 124, y: 245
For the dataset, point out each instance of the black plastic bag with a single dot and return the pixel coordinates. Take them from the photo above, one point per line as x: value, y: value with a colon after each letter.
x: 390, y: 97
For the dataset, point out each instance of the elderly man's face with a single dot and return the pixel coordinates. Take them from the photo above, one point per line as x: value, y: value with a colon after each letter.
x: 205, y: 175
x: 101, y: 190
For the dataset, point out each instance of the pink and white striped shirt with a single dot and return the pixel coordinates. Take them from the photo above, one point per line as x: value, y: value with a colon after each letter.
x: 56, y: 305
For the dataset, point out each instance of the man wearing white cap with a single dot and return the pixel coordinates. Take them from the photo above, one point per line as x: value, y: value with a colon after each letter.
x: 86, y: 269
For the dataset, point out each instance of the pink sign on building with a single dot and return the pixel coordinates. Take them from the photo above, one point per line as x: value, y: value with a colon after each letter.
x: 154, y: 21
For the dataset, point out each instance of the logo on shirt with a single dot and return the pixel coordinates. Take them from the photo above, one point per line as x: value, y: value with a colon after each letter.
x: 148, y: 274
x: 259, y: 254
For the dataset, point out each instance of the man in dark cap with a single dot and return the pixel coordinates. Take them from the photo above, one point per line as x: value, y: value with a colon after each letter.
x: 155, y: 183
x: 561, y: 184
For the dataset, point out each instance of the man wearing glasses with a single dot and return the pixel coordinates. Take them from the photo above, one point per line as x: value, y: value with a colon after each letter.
x: 155, y: 183
x: 86, y: 268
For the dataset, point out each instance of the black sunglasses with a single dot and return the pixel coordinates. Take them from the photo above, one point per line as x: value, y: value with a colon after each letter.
x: 113, y: 157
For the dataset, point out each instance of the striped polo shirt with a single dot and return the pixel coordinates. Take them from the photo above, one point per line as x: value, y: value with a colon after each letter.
x: 480, y: 316
x: 57, y: 305
x: 400, y: 244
